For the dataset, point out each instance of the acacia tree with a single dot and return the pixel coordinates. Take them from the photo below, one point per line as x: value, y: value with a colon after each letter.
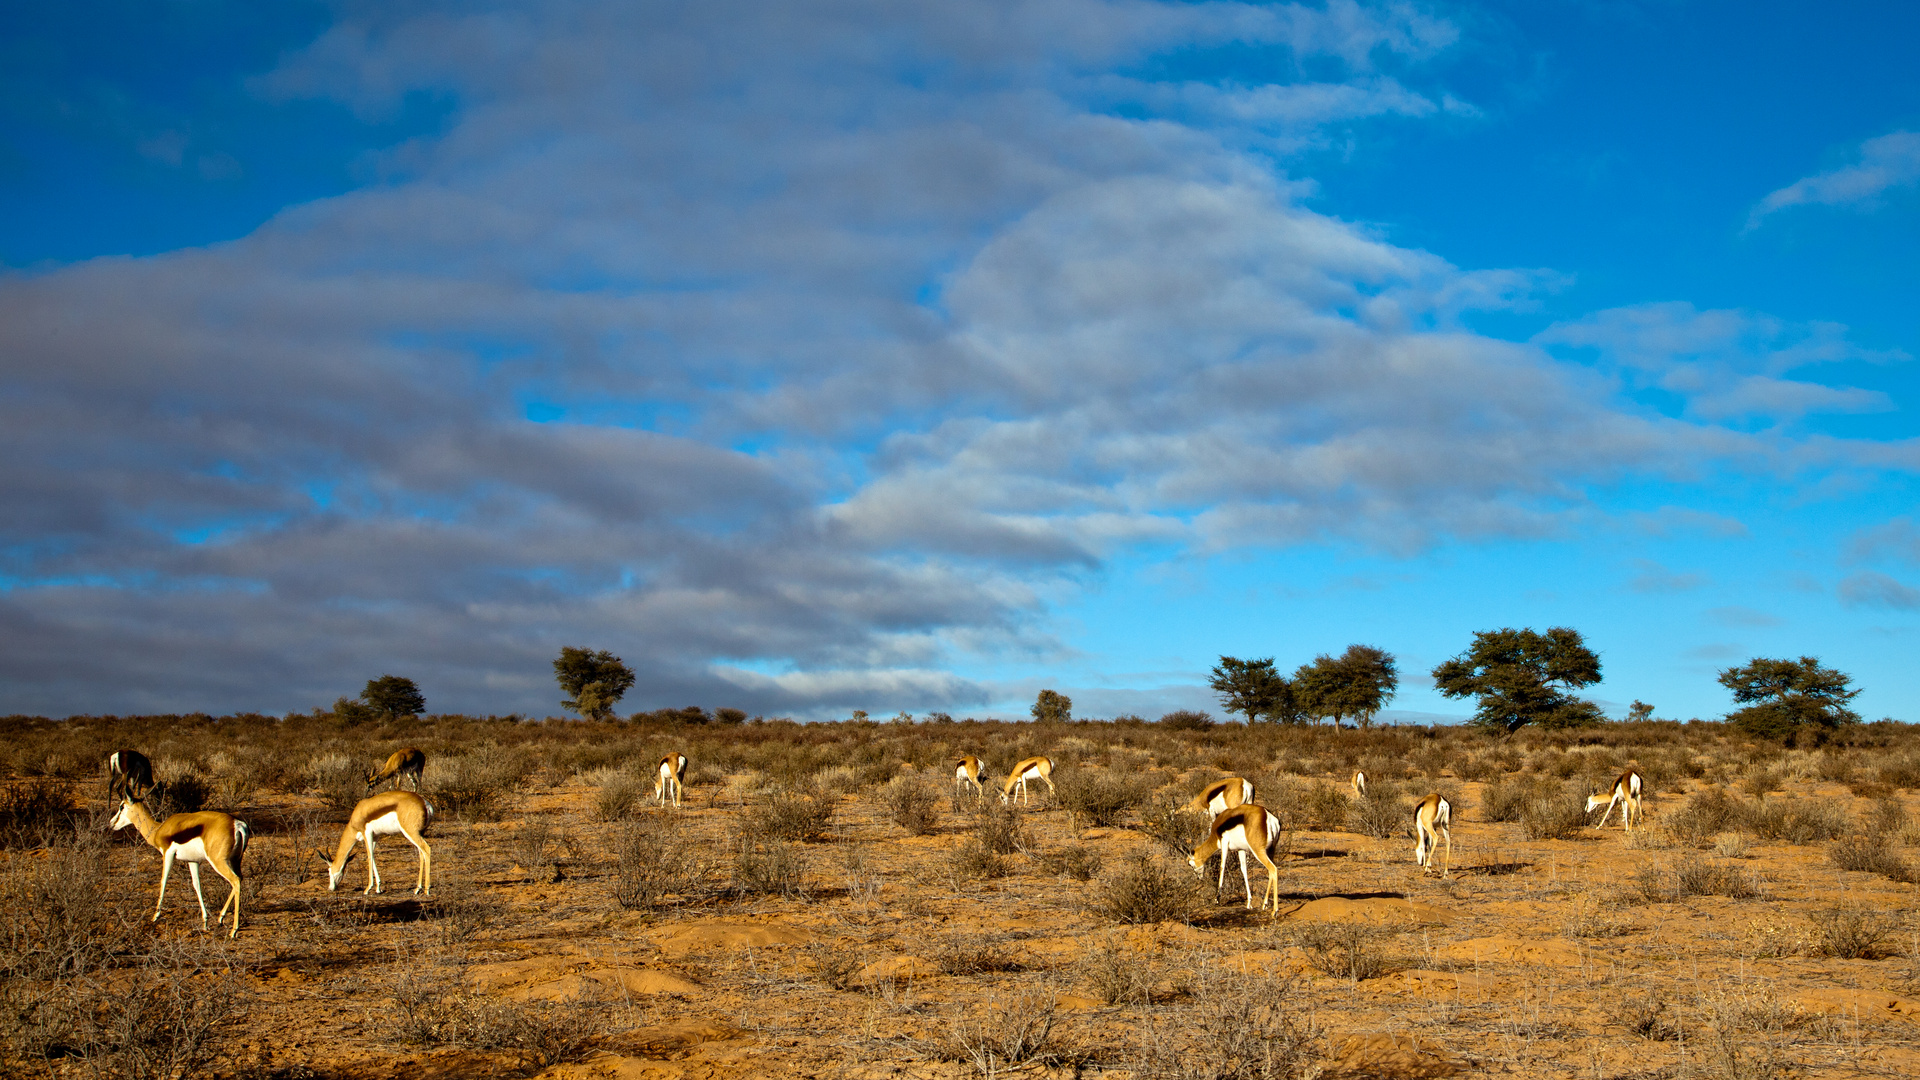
x: 1788, y: 698
x: 1052, y: 706
x: 393, y: 696
x: 1522, y: 677
x: 592, y: 681
x: 1250, y: 687
x: 1357, y: 683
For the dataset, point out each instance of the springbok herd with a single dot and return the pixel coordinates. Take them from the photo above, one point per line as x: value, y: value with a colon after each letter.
x: 1240, y: 824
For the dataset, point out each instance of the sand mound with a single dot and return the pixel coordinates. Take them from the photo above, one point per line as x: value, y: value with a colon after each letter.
x: 1512, y: 950
x: 707, y: 936
x: 1390, y: 1057
x: 556, y: 978
x: 1384, y: 910
x: 895, y: 968
x: 1858, y: 1003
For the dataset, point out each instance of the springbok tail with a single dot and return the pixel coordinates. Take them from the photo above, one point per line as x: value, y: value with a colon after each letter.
x: 241, y: 834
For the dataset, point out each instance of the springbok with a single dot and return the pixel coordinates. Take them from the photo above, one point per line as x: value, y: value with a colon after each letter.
x: 207, y: 836
x: 408, y: 762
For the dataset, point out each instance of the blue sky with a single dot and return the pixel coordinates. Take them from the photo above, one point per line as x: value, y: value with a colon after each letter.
x: 816, y: 357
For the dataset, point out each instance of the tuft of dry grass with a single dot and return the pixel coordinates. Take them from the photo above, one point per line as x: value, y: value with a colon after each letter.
x: 1100, y: 797
x: 912, y: 803
x: 1345, y: 950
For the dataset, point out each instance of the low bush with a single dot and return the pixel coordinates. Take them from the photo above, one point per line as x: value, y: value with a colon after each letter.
x: 1706, y: 814
x: 1345, y: 950
x: 1556, y: 816
x: 1187, y: 720
x: 1014, y: 1030
x: 1851, y: 933
x: 798, y: 815
x: 975, y: 861
x: 1239, y: 1029
x: 434, y: 1008
x: 913, y: 804
x: 621, y: 795
x: 478, y: 786
x: 768, y: 867
x: 974, y: 954
x: 1702, y: 878
x: 1100, y: 797
x: 1073, y: 861
x: 1180, y: 830
x: 1144, y: 889
x: 1795, y: 821
x: 1116, y: 974
x: 32, y: 808
x: 999, y: 828
x: 1383, y: 813
x: 1872, y: 854
x: 171, y: 1019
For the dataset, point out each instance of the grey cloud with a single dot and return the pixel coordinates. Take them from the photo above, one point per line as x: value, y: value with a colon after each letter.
x: 1898, y: 539
x: 1869, y: 589
x: 1737, y: 615
x: 1654, y: 578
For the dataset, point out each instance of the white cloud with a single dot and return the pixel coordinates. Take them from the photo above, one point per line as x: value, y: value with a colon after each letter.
x: 1724, y: 365
x: 1887, y: 162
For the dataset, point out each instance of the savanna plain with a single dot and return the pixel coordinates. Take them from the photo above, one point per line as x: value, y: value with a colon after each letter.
x: 826, y: 903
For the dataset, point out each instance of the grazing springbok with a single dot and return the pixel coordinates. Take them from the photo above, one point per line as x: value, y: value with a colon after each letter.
x: 1034, y: 768
x: 1220, y: 796
x: 207, y: 836
x: 1432, y: 820
x: 1250, y: 829
x: 408, y: 762
x: 389, y: 813
x: 1626, y: 795
x: 966, y: 773
x: 129, y: 773
x: 672, y: 776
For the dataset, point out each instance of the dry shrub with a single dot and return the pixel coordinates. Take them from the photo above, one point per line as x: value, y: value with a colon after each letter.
x: 974, y: 954
x: 1073, y: 861
x: 797, y: 815
x: 619, y: 796
x: 1887, y: 817
x: 768, y: 866
x: 433, y: 1008
x: 340, y: 781
x: 1871, y: 854
x: 975, y: 861
x: 998, y: 828
x: 1180, y: 830
x: 1558, y: 816
x: 913, y: 804
x: 170, y: 1016
x: 55, y: 919
x: 1702, y: 878
x: 1015, y: 1030
x: 1345, y: 950
x: 1645, y: 1015
x: 1100, y: 797
x: 460, y: 911
x: 1707, y: 814
x: 1144, y: 889
x: 1324, y: 806
x: 1187, y: 720
x: 185, y: 793
x: 1796, y: 821
x: 32, y: 809
x: 654, y: 860
x: 834, y: 965
x: 1731, y: 845
x: 1507, y: 800
x: 1116, y: 974
x: 478, y: 786
x: 1383, y: 813
x: 1851, y: 933
x: 1238, y: 1029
